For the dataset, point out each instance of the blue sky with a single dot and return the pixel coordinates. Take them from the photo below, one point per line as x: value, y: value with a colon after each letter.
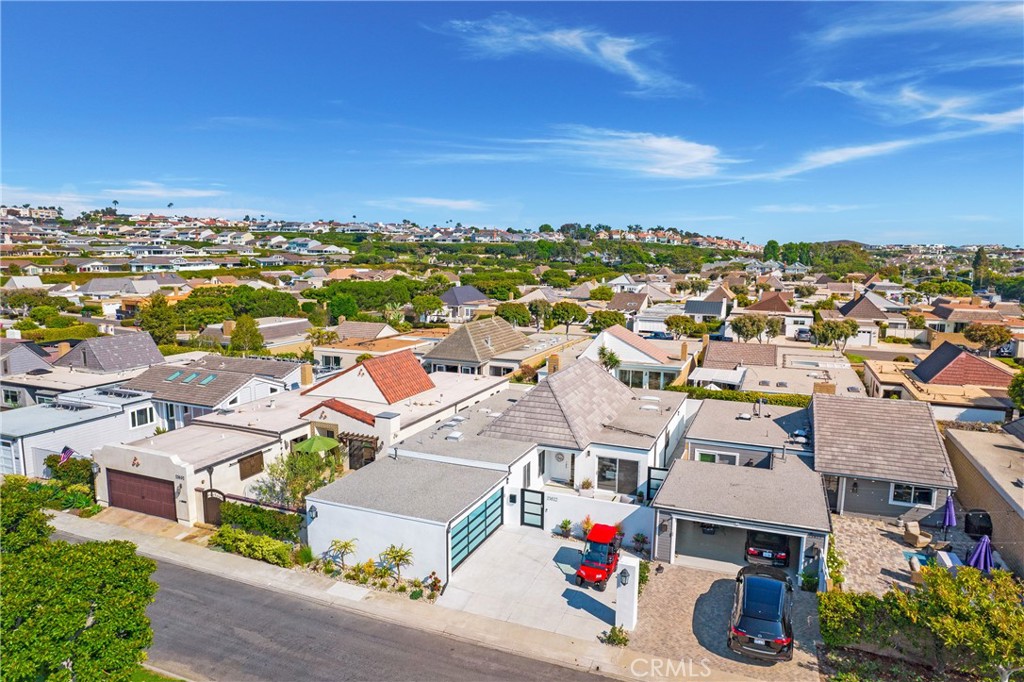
x: 883, y: 122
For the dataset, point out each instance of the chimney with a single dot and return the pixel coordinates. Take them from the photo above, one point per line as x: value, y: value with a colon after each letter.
x: 554, y: 363
x: 306, y: 376
x: 63, y: 348
x: 229, y: 327
x: 386, y: 426
x: 684, y: 351
x: 705, y: 340
x: 975, y: 300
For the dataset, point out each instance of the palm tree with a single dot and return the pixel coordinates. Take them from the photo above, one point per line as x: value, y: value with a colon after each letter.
x: 397, y: 558
x: 609, y: 359
x: 342, y: 548
x: 392, y: 313
x: 115, y: 203
x: 170, y: 205
x: 318, y: 336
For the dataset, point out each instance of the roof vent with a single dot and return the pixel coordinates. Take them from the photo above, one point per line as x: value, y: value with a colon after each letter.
x: 454, y: 435
x: 745, y: 416
x: 802, y: 440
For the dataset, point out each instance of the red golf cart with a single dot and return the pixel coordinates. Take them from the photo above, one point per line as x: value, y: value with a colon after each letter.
x: 599, y: 557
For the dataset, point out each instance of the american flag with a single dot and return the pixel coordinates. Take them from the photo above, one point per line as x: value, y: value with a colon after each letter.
x: 66, y: 454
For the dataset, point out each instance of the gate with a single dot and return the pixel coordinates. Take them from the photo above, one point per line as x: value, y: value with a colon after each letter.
x: 212, y: 500
x: 532, y: 513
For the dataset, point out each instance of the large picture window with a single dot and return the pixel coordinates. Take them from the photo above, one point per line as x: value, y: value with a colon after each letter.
x: 715, y: 457
x: 618, y: 475
x: 911, y: 495
x: 142, y: 417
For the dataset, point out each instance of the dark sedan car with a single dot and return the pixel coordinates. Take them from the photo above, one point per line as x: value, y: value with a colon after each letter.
x: 761, y: 626
x: 767, y: 548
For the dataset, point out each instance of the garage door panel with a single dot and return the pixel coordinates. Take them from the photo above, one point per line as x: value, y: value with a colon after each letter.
x: 143, y: 494
x: 470, y: 532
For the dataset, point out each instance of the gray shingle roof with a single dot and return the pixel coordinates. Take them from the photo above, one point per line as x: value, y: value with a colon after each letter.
x: 566, y: 409
x: 276, y: 369
x: 1015, y: 428
x: 195, y: 392
x: 729, y: 355
x: 886, y: 440
x: 694, y: 307
x: 463, y: 294
x: 407, y: 486
x: 113, y: 353
x: 789, y: 494
x: 478, y: 341
x: 862, y: 309
x: 363, y: 330
x: 627, y: 302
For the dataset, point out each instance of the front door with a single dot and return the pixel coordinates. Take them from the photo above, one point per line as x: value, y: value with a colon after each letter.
x: 533, y: 508
x: 559, y: 467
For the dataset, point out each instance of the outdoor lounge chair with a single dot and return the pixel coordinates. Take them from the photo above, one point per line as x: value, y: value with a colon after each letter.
x: 916, y: 576
x: 914, y: 536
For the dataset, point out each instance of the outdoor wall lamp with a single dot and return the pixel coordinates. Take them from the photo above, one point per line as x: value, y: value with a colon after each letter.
x: 624, y: 577
x: 311, y: 512
x: 663, y: 528
x: 853, y: 487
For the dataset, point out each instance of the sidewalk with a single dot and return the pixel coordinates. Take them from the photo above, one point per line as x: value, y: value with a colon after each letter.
x: 504, y: 636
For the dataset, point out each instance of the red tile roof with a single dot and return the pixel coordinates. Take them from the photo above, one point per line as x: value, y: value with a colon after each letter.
x: 342, y: 408
x: 398, y: 375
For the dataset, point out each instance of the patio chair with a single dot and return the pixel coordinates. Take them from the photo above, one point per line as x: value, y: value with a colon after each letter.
x: 916, y: 576
x: 914, y: 536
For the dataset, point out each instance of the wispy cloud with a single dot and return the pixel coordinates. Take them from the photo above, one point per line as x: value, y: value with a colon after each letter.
x: 506, y: 35
x: 899, y: 18
x: 807, y: 208
x: 403, y: 203
x: 157, y: 190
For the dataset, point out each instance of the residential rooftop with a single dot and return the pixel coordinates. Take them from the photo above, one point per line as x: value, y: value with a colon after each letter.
x: 70, y: 409
x: 203, y: 446
x: 411, y: 487
x: 902, y: 374
x: 778, y: 427
x: 999, y: 457
x: 277, y: 414
x: 789, y: 494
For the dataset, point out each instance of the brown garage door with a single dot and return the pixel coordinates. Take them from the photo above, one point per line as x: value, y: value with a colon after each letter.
x: 141, y: 493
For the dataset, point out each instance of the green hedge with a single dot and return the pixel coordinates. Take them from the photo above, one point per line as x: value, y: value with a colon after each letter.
x: 786, y: 399
x: 274, y: 524
x: 851, y: 618
x: 257, y: 547
x: 54, y: 495
x: 77, y: 331
x: 75, y: 471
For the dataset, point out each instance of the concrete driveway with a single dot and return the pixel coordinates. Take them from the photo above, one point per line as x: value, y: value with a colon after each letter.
x: 525, y: 576
x: 684, y: 616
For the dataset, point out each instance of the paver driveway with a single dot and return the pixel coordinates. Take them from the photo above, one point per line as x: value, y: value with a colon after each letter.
x: 525, y: 576
x: 684, y: 616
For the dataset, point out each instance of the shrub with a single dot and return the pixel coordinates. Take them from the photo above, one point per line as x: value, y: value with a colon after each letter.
x: 60, y: 322
x: 785, y: 399
x: 616, y: 636
x: 304, y: 555
x: 275, y: 524
x: 901, y: 358
x: 416, y: 594
x: 848, y: 618
x: 402, y: 588
x: 75, y: 471
x: 898, y: 339
x: 257, y: 547
x: 587, y: 524
x: 835, y: 562
x: 77, y: 331
x: 566, y: 527
x: 644, y: 577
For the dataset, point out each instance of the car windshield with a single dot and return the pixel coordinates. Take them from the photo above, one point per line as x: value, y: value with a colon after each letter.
x: 762, y: 599
x: 596, y: 554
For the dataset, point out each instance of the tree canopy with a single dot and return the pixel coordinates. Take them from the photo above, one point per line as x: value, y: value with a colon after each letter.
x: 246, y: 337
x: 749, y: 326
x: 989, y: 336
x: 566, y: 313
x: 602, y: 319
x: 516, y: 314
x: 159, y: 319
x: 602, y: 293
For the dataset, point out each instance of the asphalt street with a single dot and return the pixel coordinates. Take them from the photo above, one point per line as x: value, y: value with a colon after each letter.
x: 206, y: 627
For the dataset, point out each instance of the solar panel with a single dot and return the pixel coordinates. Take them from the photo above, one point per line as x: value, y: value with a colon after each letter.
x: 190, y: 378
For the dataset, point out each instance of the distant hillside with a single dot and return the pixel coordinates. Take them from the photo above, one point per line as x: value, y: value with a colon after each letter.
x: 844, y: 242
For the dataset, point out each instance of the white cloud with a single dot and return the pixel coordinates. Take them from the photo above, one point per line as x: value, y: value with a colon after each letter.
x: 897, y: 18
x: 640, y: 153
x: 505, y: 35
x: 157, y: 190
x: 403, y: 203
x: 807, y: 208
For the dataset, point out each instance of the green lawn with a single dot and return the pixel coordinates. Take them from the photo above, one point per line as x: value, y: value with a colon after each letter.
x: 147, y: 675
x: 854, y: 358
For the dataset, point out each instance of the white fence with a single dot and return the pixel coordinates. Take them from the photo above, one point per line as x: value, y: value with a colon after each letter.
x: 635, y: 518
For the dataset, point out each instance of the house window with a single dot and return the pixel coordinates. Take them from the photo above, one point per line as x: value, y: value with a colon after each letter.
x: 250, y: 466
x: 911, y: 495
x: 715, y: 457
x: 141, y: 417
x: 541, y: 458
x: 12, y: 397
x: 617, y: 475
x: 526, y: 475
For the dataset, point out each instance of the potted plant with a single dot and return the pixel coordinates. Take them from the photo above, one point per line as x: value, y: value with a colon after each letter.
x: 586, y: 488
x: 639, y: 542
x: 566, y: 527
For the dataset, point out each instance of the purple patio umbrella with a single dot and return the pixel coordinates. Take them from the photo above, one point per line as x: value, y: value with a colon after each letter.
x: 949, y: 520
x: 981, y: 557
